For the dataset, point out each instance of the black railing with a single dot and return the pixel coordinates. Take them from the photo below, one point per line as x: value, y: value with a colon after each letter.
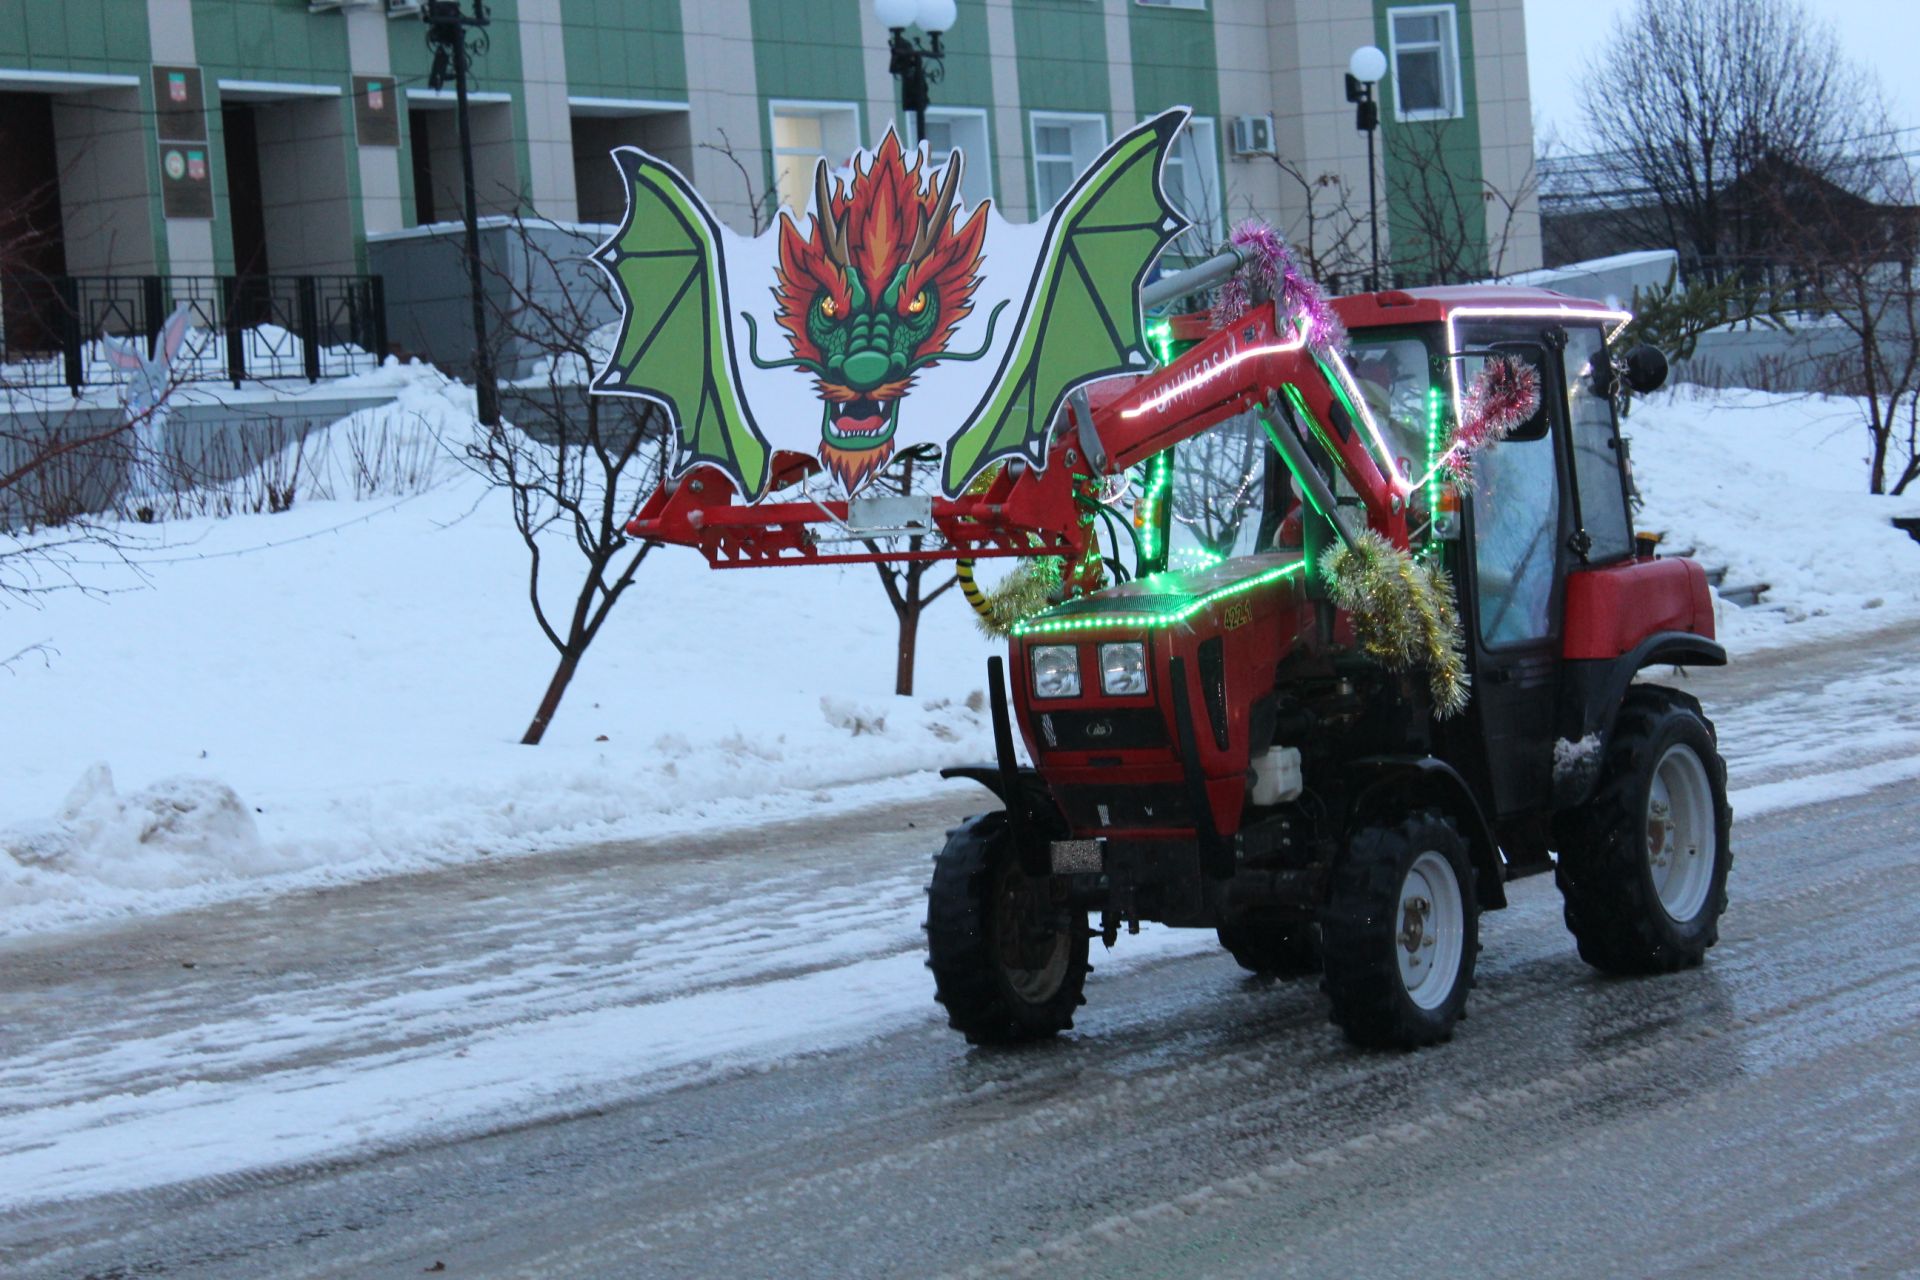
x: 240, y: 327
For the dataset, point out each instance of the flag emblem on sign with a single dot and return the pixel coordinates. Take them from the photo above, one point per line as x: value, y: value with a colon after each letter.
x: 177, y: 86
x: 197, y: 165
x: 374, y: 96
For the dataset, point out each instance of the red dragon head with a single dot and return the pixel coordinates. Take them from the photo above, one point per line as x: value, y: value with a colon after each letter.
x: 871, y: 294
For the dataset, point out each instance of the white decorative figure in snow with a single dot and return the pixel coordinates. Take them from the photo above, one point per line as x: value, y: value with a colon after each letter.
x: 149, y: 380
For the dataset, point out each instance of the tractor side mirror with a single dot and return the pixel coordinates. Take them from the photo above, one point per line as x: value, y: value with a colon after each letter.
x: 1646, y: 369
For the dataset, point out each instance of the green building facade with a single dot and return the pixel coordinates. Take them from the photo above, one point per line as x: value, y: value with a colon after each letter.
x: 238, y: 137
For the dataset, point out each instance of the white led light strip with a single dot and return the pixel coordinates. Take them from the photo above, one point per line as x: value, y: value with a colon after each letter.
x: 1196, y: 381
x: 1620, y: 319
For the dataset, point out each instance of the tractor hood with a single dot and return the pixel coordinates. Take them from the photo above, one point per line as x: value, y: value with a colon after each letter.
x: 1164, y: 599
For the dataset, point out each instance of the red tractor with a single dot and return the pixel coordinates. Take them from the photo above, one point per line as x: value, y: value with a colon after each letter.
x: 1211, y: 747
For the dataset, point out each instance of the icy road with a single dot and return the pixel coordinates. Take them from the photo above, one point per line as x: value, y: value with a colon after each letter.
x: 720, y: 1057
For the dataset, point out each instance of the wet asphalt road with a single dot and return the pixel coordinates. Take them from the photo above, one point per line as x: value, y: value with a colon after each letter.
x: 1757, y: 1116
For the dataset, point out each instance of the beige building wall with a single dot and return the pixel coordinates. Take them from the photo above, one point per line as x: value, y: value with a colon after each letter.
x: 170, y: 32
x: 1506, y: 135
x: 543, y: 71
x: 723, y: 105
x: 105, y: 206
x: 303, y: 145
x: 368, y: 53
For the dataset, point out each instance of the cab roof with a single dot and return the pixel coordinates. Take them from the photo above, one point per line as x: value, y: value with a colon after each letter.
x: 1422, y: 306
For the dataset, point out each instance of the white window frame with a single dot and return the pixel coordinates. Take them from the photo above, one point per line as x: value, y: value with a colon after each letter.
x: 1199, y: 141
x: 1173, y: 4
x: 977, y: 182
x: 1449, y: 49
x: 776, y: 154
x: 1074, y: 120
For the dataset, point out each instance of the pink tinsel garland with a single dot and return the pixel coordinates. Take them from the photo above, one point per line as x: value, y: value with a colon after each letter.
x: 1503, y: 395
x: 1271, y: 271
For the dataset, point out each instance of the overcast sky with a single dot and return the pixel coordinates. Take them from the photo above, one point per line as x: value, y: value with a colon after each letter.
x: 1883, y: 35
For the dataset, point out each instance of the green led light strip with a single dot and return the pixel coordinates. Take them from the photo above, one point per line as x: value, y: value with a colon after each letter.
x: 1044, y: 626
x: 1435, y: 404
x: 1159, y: 480
x: 1160, y: 338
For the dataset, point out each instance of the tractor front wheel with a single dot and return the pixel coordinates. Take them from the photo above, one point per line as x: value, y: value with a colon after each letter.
x: 1008, y: 961
x: 1400, y: 932
x: 1643, y: 865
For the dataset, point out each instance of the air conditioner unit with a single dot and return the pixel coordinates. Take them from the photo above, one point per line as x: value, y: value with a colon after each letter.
x: 1253, y: 135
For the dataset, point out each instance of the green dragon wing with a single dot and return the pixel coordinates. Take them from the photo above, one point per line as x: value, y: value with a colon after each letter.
x: 1081, y: 318
x: 675, y: 345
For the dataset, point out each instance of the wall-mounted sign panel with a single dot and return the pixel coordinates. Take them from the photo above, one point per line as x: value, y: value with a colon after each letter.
x: 376, y: 114
x: 179, y: 105
x: 186, y: 181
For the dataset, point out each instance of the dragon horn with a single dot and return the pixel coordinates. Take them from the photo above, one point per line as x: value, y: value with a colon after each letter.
x: 930, y: 227
x: 832, y: 230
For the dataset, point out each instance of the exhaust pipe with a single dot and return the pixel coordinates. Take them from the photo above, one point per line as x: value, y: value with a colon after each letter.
x: 1192, y: 280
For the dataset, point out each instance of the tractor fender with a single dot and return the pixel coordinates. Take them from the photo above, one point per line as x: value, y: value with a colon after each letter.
x: 1595, y: 689
x: 1039, y: 799
x: 1416, y: 780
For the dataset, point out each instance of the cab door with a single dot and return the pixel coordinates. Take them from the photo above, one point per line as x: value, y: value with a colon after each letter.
x: 1516, y: 549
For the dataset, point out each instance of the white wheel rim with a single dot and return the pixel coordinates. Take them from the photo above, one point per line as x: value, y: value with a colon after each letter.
x: 1681, y: 844
x: 1430, y: 931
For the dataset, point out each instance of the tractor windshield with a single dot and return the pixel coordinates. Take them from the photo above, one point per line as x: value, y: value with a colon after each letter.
x: 1222, y: 500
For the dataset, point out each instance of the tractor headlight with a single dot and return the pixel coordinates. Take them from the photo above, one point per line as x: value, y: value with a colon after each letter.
x: 1056, y: 671
x: 1123, y: 669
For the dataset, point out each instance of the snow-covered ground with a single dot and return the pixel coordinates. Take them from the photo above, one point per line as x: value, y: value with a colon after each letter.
x: 335, y: 693
x: 1773, y: 487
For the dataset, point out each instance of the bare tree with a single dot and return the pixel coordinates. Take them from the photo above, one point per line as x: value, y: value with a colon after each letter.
x: 1689, y: 97
x: 1853, y: 256
x: 574, y: 467
x: 1329, y: 234
x: 1448, y: 231
x: 905, y: 582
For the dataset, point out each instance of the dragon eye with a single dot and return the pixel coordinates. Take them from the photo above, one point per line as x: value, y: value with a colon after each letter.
x: 828, y: 308
x: 918, y: 304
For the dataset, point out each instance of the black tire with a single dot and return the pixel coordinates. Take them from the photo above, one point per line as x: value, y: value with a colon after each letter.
x: 1273, y: 948
x: 1364, y: 929
x: 1008, y: 963
x: 1611, y: 871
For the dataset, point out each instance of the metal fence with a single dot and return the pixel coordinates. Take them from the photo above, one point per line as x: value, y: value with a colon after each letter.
x: 241, y: 327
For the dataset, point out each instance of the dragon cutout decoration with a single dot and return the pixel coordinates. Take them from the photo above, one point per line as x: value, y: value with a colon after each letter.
x: 919, y: 321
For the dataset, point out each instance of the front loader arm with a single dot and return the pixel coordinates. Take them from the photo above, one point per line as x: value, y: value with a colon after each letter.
x: 1254, y: 365
x: 1257, y: 364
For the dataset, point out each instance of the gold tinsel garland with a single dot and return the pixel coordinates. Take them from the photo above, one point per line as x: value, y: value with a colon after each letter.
x: 1403, y: 614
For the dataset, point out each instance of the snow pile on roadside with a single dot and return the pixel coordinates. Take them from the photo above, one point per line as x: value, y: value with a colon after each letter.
x: 1774, y: 487
x: 358, y: 675
x: 355, y: 675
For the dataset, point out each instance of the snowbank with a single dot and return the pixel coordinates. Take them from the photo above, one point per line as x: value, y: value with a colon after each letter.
x: 1773, y: 487
x: 357, y: 675
x: 336, y: 693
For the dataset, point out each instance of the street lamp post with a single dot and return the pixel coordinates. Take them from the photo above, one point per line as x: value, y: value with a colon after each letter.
x: 913, y: 64
x: 1364, y: 70
x: 454, y: 48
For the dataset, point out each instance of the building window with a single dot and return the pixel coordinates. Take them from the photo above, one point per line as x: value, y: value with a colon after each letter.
x: 1173, y: 4
x: 1426, y: 62
x: 802, y: 133
x: 1063, y: 147
x: 964, y: 128
x: 1192, y: 182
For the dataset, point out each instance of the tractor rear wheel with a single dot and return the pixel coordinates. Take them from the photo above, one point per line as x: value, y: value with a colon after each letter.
x: 1279, y: 948
x: 1400, y: 932
x: 1643, y: 864
x: 1008, y: 962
